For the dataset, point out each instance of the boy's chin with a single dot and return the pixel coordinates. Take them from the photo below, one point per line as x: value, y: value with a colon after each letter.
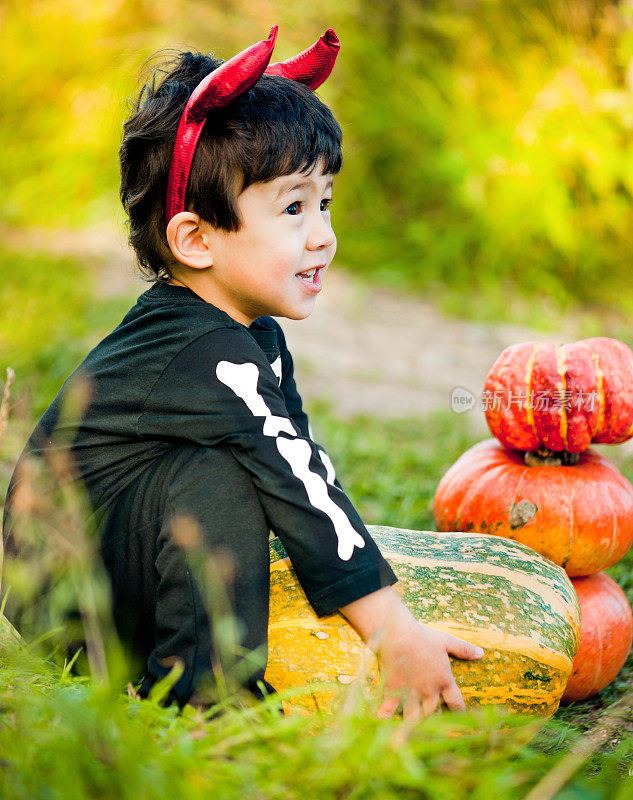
x: 299, y: 314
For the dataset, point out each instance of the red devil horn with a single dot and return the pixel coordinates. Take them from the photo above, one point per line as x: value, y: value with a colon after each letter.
x: 224, y: 84
x: 313, y: 65
x: 231, y: 79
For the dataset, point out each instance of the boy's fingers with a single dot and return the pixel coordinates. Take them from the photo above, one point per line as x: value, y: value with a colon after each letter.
x: 411, y: 708
x: 461, y: 649
x: 388, y: 708
x: 429, y: 704
x: 453, y: 697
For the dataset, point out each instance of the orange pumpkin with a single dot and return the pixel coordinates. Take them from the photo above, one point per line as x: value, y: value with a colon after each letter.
x: 564, y: 397
x: 579, y: 516
x: 606, y: 635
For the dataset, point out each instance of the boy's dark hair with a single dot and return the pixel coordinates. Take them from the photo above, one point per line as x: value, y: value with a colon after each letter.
x: 276, y: 128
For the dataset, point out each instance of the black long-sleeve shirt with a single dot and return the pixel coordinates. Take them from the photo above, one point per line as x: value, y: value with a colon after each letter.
x: 179, y: 370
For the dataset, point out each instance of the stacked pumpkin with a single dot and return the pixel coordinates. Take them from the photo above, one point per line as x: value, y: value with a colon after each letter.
x: 542, y: 485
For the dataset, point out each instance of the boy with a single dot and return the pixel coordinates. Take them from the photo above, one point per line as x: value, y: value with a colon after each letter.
x: 193, y: 412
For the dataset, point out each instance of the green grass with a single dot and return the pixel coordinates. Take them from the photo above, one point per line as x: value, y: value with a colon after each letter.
x: 67, y: 738
x: 390, y: 468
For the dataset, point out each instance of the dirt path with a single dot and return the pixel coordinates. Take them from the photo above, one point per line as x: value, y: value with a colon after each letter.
x: 364, y: 349
x: 374, y: 351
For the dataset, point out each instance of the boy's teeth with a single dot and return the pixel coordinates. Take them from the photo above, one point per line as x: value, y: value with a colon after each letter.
x: 309, y: 273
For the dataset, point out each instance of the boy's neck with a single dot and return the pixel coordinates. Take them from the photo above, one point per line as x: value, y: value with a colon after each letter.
x: 209, y: 295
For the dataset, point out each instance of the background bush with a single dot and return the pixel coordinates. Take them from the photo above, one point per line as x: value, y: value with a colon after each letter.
x: 488, y: 143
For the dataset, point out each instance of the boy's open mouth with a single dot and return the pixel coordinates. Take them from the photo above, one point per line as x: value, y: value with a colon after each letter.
x: 311, y: 278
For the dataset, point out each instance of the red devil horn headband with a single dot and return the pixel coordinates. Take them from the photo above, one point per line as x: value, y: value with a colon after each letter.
x: 312, y: 66
x: 228, y: 81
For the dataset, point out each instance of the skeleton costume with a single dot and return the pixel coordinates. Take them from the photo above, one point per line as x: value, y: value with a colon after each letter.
x: 194, y: 416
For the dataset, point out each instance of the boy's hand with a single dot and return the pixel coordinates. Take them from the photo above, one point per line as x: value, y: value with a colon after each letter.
x: 413, y: 658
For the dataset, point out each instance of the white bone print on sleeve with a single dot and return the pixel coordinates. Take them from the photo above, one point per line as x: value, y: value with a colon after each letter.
x: 297, y: 453
x: 242, y: 380
x: 276, y: 368
x: 327, y: 462
x: 329, y: 466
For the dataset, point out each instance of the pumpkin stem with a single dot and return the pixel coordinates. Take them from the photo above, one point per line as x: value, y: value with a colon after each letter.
x: 543, y: 456
x: 522, y: 513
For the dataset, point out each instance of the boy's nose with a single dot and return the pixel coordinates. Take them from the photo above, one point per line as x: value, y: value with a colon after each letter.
x: 322, y: 235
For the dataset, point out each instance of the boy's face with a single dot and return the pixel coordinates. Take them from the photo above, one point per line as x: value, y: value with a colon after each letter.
x: 274, y: 265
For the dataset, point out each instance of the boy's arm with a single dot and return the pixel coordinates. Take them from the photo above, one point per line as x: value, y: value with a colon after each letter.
x: 413, y: 658
x: 220, y: 390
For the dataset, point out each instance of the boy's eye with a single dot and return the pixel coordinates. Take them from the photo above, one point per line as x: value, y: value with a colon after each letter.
x: 294, y: 208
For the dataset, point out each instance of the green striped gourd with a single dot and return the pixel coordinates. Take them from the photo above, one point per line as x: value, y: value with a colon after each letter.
x: 520, y: 607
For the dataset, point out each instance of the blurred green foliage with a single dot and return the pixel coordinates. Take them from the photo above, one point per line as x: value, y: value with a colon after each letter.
x: 488, y: 143
x: 63, y: 738
x: 491, y: 148
x: 50, y: 319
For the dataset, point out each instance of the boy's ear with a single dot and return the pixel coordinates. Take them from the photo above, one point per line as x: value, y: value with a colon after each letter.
x: 187, y: 240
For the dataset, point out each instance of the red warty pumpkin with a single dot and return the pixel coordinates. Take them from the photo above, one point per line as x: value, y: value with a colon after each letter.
x: 561, y: 397
x: 606, y: 635
x: 579, y: 516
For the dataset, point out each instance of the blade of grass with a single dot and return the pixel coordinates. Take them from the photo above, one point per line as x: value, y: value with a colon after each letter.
x: 4, y: 405
x: 553, y: 781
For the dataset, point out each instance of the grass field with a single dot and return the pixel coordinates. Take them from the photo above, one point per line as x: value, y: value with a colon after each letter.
x: 63, y: 736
